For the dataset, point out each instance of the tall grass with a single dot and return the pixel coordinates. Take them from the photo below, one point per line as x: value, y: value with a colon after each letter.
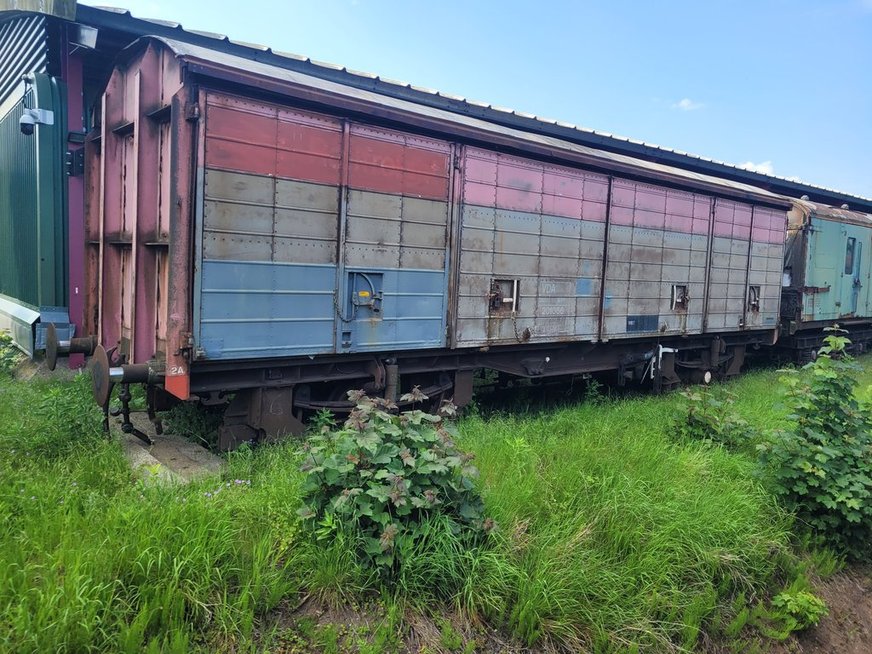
x: 612, y: 535
x: 92, y: 559
x: 620, y: 537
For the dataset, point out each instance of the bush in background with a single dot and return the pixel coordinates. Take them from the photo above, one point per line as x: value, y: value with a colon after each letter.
x: 821, y: 467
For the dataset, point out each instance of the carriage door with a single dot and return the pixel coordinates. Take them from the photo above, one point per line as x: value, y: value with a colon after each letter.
x: 851, y: 282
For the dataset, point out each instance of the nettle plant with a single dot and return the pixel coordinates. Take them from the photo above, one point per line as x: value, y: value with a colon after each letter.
x: 710, y: 417
x: 385, y: 475
x: 821, y: 466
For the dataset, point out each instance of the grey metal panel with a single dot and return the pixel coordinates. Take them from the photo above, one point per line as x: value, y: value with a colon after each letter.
x: 385, y: 230
x: 261, y: 218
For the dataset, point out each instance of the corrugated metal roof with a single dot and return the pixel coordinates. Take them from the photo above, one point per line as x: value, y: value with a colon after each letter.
x: 213, y: 62
x: 839, y: 214
x: 454, y: 103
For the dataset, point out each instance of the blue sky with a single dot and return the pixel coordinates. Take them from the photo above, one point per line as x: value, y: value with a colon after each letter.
x: 783, y: 85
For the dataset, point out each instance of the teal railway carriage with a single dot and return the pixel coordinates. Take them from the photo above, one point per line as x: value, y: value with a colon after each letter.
x: 827, y: 275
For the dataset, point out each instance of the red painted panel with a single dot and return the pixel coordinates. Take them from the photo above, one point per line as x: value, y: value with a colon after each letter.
x: 265, y: 139
x: 387, y: 166
x: 308, y: 167
x: 241, y: 157
x: 237, y: 125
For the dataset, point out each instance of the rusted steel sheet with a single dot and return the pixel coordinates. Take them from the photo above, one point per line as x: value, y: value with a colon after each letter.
x: 129, y: 212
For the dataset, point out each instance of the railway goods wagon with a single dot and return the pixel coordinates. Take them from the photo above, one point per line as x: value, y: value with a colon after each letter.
x: 827, y: 277
x: 270, y: 240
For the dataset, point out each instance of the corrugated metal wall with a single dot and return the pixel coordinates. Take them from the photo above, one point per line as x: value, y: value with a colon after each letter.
x: 23, y: 49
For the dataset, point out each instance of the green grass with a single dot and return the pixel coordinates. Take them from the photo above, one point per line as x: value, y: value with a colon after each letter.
x: 612, y: 536
x: 620, y: 536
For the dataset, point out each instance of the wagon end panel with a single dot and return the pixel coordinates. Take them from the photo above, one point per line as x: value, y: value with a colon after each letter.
x: 531, y: 248
x: 129, y: 206
x: 656, y: 261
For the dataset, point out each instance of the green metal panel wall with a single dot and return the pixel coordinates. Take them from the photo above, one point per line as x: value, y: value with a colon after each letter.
x: 33, y: 249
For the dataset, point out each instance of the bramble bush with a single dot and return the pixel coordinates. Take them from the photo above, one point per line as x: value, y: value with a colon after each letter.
x: 386, y: 477
x: 821, y: 467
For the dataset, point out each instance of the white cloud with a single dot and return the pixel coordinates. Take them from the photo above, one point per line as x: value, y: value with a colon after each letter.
x: 686, y: 104
x: 764, y: 167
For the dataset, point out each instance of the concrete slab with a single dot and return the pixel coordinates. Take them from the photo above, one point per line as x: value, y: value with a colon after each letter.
x: 171, y: 459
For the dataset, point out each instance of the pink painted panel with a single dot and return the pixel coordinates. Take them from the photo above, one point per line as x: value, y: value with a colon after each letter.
x: 556, y: 205
x: 596, y: 189
x: 676, y: 223
x: 480, y: 167
x: 520, y: 175
x: 518, y: 184
x: 650, y: 198
x: 700, y: 226
x: 623, y: 194
x: 621, y: 215
x: 742, y: 214
x: 649, y: 219
x: 679, y: 204
x: 564, y: 183
x: 593, y: 210
x: 742, y: 232
x: 483, y: 195
x: 515, y: 199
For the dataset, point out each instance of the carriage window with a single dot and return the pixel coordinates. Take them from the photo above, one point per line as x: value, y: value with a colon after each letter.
x: 849, y: 255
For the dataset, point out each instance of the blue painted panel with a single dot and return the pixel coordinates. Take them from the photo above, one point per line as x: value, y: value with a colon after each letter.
x: 585, y: 287
x: 253, y: 309
x: 411, y: 315
x: 259, y: 309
